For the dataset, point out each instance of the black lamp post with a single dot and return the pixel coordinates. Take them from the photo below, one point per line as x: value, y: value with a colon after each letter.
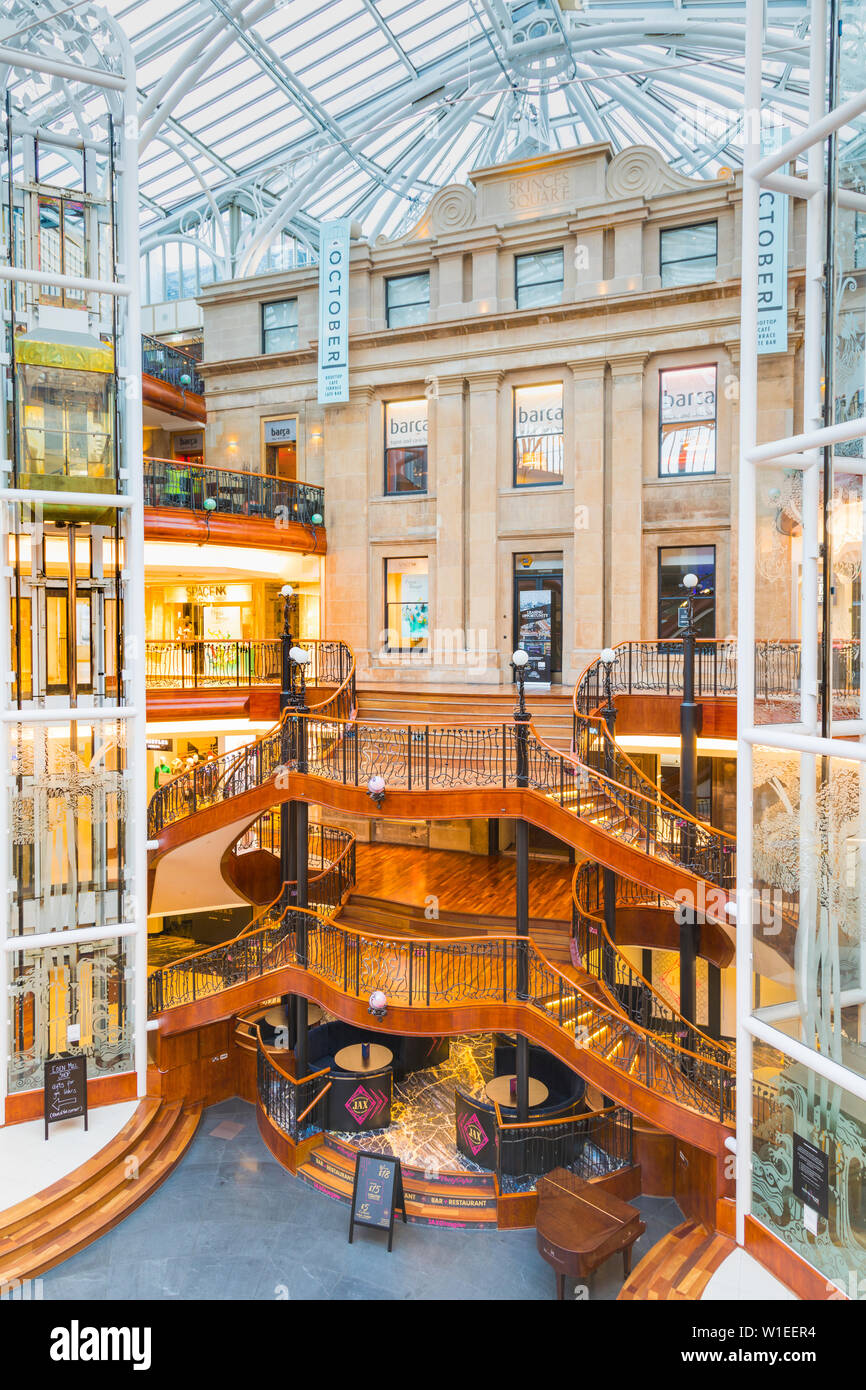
x: 285, y: 647
x: 519, y: 663
x: 690, y: 721
x: 300, y: 659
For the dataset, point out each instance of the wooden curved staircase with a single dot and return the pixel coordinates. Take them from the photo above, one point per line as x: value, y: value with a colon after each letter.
x: 396, y: 919
x: 464, y: 1201
x: 46, y: 1228
x: 395, y: 703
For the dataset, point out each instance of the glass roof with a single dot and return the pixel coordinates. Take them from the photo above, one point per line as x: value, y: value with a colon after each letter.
x: 304, y: 109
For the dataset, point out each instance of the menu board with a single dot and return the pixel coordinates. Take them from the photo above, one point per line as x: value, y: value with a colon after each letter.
x: 377, y: 1192
x: 65, y: 1089
x: 811, y: 1181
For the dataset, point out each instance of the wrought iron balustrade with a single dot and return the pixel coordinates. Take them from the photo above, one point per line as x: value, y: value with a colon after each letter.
x: 199, y: 663
x: 169, y: 363
x: 297, y: 1107
x: 591, y: 1145
x: 602, y: 958
x: 423, y: 974
x: 432, y: 757
x: 187, y: 486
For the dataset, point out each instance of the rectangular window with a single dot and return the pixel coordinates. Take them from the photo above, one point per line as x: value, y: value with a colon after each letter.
x: 538, y: 279
x: 405, y: 446
x: 689, y: 255
x: 280, y: 326
x: 675, y: 562
x: 407, y: 605
x: 281, y: 447
x: 407, y: 300
x: 538, y: 438
x: 687, y: 421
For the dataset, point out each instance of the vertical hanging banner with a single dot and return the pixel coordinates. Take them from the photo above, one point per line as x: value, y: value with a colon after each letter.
x: 773, y: 260
x: 334, y: 311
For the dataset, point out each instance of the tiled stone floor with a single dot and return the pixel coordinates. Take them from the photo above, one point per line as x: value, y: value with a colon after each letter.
x: 230, y: 1223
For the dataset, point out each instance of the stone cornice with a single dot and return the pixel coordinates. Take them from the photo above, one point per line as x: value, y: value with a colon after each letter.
x: 485, y: 380
x: 713, y: 291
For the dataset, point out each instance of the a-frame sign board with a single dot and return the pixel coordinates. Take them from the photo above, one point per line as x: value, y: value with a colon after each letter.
x: 376, y: 1193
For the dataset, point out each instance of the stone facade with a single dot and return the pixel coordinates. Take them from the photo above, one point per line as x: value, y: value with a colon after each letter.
x: 606, y: 341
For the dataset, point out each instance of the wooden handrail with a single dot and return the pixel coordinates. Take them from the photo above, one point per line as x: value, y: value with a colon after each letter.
x: 571, y: 987
x: 555, y: 1119
x: 313, y: 1103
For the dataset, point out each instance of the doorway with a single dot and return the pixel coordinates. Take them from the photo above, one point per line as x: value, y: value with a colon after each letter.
x: 537, y: 615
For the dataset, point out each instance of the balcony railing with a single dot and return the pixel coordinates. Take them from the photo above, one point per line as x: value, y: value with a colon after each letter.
x: 170, y: 364
x: 425, y: 974
x: 187, y: 486
x: 435, y: 757
x: 198, y: 664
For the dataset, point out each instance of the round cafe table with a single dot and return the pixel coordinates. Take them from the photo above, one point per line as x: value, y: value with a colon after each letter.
x: 350, y: 1058
x: 278, y: 1018
x: 499, y: 1090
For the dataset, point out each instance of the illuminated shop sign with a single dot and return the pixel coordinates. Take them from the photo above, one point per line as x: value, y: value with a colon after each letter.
x: 281, y: 431
x: 406, y: 424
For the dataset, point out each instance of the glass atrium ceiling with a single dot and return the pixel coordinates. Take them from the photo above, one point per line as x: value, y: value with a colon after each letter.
x: 297, y: 110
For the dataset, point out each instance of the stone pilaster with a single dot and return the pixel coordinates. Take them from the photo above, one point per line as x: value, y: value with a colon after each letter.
x: 480, y: 568
x: 588, y: 401
x: 625, y: 496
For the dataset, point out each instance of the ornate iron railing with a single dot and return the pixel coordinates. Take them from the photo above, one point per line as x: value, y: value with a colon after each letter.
x: 422, y: 974
x: 199, y: 663
x: 591, y: 1145
x: 174, y: 483
x: 602, y: 958
x: 171, y: 364
x: 331, y: 861
x: 432, y: 757
x: 656, y: 668
x: 297, y: 1107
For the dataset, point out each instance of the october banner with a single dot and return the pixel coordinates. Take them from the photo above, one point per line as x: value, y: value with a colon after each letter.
x: 334, y: 312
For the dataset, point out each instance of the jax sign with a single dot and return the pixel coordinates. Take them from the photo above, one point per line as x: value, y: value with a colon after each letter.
x: 334, y: 312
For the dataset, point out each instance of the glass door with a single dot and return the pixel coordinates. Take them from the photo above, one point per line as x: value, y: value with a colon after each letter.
x: 537, y: 615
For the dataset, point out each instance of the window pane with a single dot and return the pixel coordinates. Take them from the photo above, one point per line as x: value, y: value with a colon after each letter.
x: 281, y: 314
x: 688, y: 255
x: 406, y: 605
x: 538, y: 279
x: 688, y: 272
x: 535, y: 269
x: 674, y: 563
x: 687, y: 418
x: 406, y: 446
x: 538, y: 438
x: 681, y: 243
x: 407, y: 300
x: 409, y: 289
x: 404, y: 315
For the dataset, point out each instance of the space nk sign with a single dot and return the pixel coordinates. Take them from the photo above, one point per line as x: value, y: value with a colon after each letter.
x: 334, y: 311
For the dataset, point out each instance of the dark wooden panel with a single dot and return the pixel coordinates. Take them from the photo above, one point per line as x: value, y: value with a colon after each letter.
x: 178, y: 524
x: 654, y: 1151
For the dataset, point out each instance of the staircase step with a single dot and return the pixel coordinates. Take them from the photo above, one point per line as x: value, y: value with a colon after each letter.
x: 93, y: 1208
x: 41, y: 1204
x: 442, y: 1201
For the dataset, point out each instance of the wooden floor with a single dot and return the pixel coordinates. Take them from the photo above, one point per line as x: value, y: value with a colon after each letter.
x: 679, y: 1267
x: 474, y: 883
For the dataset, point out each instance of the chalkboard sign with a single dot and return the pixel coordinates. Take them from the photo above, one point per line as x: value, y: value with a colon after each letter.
x: 65, y: 1089
x: 376, y: 1193
x: 811, y: 1181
